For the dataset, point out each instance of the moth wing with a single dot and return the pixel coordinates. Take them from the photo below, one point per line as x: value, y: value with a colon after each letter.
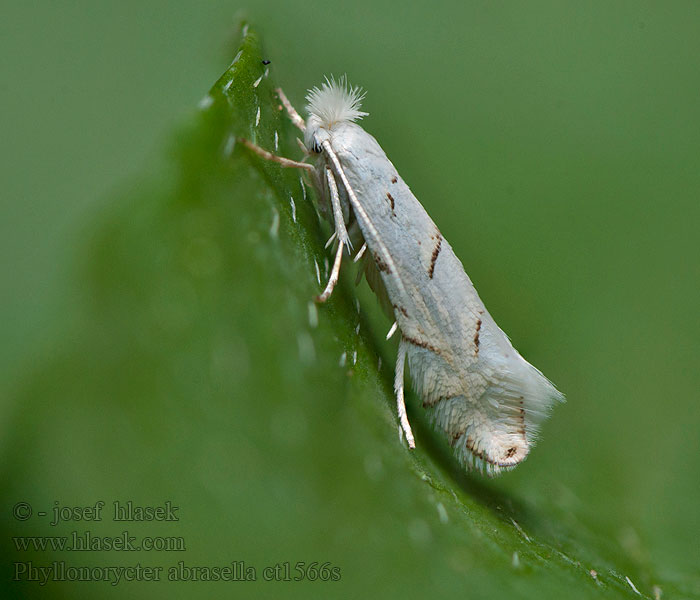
x: 376, y: 284
x: 491, y: 411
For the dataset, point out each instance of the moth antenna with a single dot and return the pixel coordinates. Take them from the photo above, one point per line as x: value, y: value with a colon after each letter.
x: 293, y: 114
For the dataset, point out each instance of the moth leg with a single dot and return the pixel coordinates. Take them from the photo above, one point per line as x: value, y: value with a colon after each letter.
x: 340, y: 232
x: 333, y: 279
x: 358, y: 256
x: 331, y: 239
x: 293, y: 114
x: 400, y: 404
x: 338, y: 219
x: 285, y: 162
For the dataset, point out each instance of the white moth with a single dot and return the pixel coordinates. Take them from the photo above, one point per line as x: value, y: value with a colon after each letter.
x: 487, y: 398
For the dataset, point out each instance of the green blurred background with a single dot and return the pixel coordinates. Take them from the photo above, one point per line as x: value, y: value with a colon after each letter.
x: 557, y: 146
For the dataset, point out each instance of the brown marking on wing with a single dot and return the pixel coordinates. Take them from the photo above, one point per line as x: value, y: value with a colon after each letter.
x: 422, y: 344
x: 401, y: 308
x: 455, y: 437
x: 479, y: 453
x: 476, y: 337
x: 381, y: 265
x: 394, y: 180
x: 433, y: 258
x: 391, y: 200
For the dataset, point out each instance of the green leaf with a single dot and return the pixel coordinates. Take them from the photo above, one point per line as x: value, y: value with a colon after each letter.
x: 196, y: 369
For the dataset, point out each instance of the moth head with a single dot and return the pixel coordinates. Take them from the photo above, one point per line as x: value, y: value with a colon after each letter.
x: 333, y: 103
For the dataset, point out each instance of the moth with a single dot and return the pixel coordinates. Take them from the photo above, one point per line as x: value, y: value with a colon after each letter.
x: 486, y: 398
